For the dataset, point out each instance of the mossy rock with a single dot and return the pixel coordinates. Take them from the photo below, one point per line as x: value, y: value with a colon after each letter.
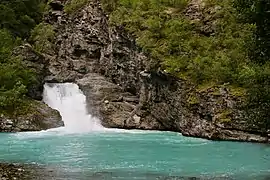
x: 224, y: 116
x: 238, y: 91
x: 34, y: 116
x: 193, y: 99
x: 74, y: 5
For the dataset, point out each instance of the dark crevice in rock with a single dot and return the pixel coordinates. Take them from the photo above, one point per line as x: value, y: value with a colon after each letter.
x: 56, y: 5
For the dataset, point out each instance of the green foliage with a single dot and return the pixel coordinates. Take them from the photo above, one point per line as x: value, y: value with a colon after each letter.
x: 6, y: 44
x: 238, y: 91
x: 14, y: 76
x: 164, y: 32
x: 224, y: 116
x: 74, y: 5
x: 109, y: 5
x: 193, y: 99
x: 235, y: 52
x: 42, y: 37
x: 19, y: 17
x: 257, y: 12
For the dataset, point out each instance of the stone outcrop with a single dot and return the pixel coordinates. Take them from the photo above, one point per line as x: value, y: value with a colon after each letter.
x: 36, y: 118
x: 123, y: 89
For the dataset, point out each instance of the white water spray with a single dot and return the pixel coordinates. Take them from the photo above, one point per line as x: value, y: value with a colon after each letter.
x: 68, y: 99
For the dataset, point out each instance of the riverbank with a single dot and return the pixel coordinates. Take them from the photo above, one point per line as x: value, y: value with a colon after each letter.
x: 13, y: 172
x: 27, y: 172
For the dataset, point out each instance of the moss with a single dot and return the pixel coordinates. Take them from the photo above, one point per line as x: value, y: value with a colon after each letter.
x: 205, y: 86
x: 74, y: 5
x: 225, y: 120
x: 238, y: 91
x: 216, y: 92
x: 224, y: 116
x: 193, y: 99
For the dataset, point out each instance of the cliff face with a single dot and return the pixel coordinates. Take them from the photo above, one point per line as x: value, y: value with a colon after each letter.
x: 124, y: 92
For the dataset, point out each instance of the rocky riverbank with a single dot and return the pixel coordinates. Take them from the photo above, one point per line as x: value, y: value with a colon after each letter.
x: 32, y: 172
x: 11, y: 171
x: 125, y: 91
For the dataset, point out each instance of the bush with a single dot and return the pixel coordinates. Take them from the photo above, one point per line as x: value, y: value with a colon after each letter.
x: 14, y: 76
x: 19, y: 17
x: 42, y: 37
x: 171, y: 37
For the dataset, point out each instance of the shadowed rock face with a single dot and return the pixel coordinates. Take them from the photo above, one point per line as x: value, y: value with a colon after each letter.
x: 124, y: 91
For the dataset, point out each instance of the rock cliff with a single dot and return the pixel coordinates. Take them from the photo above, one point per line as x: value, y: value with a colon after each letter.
x: 123, y: 89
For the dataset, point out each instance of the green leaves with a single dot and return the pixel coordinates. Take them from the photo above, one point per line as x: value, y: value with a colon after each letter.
x: 42, y: 37
x: 6, y: 44
x: 162, y: 30
x: 74, y: 5
x: 14, y: 78
x: 17, y: 18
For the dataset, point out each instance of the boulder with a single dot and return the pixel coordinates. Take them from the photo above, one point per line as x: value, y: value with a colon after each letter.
x: 38, y: 116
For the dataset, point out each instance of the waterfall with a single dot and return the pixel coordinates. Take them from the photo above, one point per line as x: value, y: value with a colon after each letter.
x: 69, y: 100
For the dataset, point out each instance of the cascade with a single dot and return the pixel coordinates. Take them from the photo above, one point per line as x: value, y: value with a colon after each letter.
x: 69, y: 100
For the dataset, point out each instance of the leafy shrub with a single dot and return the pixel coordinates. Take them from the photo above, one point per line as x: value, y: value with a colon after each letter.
x: 170, y: 36
x: 14, y: 76
x: 19, y: 17
x: 42, y: 37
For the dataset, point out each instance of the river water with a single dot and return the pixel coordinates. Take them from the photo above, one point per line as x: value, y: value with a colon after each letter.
x: 83, y: 149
